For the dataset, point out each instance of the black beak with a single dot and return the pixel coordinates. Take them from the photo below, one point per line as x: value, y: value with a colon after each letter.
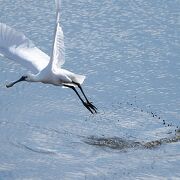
x: 23, y: 78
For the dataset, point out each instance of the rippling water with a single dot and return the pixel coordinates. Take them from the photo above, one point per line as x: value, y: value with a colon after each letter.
x: 129, y: 51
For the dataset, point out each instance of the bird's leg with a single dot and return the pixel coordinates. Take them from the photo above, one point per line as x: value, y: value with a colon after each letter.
x: 85, y: 104
x: 88, y: 102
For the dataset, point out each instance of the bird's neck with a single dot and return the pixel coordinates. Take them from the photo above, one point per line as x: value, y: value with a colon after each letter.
x: 34, y: 78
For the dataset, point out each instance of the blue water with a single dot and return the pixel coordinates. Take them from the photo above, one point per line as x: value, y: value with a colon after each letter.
x: 129, y: 51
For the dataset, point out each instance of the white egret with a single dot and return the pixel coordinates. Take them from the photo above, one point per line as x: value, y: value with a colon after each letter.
x: 16, y: 46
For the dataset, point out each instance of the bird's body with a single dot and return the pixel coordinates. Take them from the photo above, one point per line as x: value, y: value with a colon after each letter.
x: 58, y: 77
x: 16, y: 46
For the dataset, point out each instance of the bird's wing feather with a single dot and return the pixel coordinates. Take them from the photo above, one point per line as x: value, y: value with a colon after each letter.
x: 16, y: 46
x: 58, y: 50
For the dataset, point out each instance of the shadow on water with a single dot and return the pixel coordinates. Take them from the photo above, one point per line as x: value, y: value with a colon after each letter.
x: 123, y: 144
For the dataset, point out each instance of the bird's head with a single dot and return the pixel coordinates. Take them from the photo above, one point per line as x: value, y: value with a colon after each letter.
x: 28, y: 78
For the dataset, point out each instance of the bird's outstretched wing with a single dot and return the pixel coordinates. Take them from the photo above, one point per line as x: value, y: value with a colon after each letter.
x: 16, y: 46
x: 58, y: 54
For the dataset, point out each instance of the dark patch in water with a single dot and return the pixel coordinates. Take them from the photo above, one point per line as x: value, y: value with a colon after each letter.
x: 121, y: 143
x: 153, y: 144
x: 113, y: 142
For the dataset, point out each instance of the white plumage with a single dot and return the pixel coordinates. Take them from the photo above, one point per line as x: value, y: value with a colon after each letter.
x: 16, y: 46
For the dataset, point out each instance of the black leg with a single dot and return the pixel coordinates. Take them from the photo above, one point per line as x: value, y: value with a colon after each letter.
x: 88, y: 102
x: 85, y: 104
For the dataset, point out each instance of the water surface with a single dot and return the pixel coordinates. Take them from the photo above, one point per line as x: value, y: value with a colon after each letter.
x: 129, y: 51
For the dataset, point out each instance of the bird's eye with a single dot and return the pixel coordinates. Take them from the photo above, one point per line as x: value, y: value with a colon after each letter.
x: 24, y: 77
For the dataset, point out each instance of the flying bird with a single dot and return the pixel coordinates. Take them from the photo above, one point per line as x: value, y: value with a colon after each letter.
x: 16, y: 46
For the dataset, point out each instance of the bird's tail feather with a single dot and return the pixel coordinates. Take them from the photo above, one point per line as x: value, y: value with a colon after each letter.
x: 75, y: 78
x: 78, y: 78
